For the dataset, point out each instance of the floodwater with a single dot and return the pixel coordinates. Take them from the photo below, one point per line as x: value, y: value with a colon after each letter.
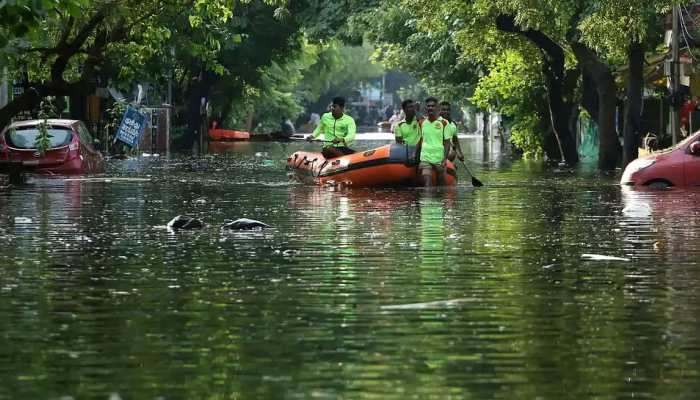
x: 545, y: 284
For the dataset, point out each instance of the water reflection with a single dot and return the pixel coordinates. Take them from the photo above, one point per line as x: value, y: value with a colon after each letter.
x: 381, y: 293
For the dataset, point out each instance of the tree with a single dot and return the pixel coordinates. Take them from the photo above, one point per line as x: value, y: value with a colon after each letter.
x: 68, y: 52
x: 573, y: 38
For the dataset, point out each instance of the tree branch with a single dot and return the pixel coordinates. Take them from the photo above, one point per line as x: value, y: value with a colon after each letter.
x: 66, y: 31
x: 549, y: 47
x: 68, y: 50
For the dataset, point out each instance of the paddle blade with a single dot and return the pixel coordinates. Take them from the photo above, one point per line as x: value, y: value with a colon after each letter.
x: 475, y: 182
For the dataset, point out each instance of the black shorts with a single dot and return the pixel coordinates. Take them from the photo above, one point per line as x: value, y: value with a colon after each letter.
x: 333, y: 152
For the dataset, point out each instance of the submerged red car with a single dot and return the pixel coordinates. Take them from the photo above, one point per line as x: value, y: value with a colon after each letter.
x: 70, y: 152
x: 676, y: 167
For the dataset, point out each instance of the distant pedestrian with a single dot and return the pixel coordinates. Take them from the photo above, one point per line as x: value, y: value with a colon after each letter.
x: 287, y: 127
x: 314, y: 119
x: 388, y: 112
x: 394, y: 120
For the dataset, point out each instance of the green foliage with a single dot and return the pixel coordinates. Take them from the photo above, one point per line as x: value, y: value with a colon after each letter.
x: 453, y: 48
x: 515, y: 89
x: 600, y: 25
x: 526, y: 135
x: 46, y: 111
x: 313, y: 72
x: 115, y: 114
x: 20, y: 18
x: 423, y: 47
x: 457, y: 45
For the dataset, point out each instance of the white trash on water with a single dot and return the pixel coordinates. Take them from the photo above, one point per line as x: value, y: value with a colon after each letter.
x: 428, y: 305
x: 599, y: 257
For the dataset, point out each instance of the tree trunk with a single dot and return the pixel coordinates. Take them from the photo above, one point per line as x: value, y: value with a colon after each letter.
x: 560, y: 113
x: 249, y: 120
x: 560, y: 85
x: 589, y: 96
x: 633, y: 110
x: 609, y: 146
x: 26, y: 101
x: 65, y: 50
x: 196, y: 92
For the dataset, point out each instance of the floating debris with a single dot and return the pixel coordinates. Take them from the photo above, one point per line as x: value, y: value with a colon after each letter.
x: 108, y: 180
x: 599, y: 257
x: 244, y: 224
x: 428, y: 305
x: 185, y: 222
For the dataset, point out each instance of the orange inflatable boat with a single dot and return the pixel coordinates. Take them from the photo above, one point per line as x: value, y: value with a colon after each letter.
x: 390, y: 165
x: 226, y: 134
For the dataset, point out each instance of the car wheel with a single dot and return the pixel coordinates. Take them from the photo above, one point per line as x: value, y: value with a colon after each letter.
x: 659, y: 185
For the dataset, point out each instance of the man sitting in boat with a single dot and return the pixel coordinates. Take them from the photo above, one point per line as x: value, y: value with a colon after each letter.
x: 435, y: 147
x: 338, y: 130
x: 407, y: 131
x: 451, y: 132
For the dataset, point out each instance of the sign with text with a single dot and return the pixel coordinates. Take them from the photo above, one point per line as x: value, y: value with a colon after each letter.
x: 132, y: 126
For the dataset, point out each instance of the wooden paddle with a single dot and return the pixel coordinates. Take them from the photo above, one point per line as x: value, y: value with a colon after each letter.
x: 475, y: 182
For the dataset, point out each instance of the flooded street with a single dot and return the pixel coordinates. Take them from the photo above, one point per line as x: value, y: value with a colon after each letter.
x: 543, y: 284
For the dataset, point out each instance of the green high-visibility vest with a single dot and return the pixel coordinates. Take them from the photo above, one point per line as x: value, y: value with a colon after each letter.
x: 342, y: 128
x: 408, y: 131
x: 433, y: 148
x: 450, y: 130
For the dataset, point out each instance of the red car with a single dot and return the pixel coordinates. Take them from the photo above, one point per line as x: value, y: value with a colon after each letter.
x: 71, y: 150
x: 676, y: 167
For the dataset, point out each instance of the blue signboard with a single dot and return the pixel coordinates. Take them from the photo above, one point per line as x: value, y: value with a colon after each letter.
x: 132, y: 126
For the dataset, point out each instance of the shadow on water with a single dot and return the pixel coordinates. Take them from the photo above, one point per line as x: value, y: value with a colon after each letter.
x: 546, y: 283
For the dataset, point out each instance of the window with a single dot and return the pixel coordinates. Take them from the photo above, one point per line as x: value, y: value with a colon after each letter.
x: 25, y: 137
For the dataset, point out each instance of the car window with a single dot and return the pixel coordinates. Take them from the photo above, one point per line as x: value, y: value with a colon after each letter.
x: 25, y: 137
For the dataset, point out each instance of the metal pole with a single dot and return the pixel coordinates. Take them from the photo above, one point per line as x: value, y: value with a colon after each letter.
x: 675, y: 77
x: 662, y: 123
x: 381, y: 95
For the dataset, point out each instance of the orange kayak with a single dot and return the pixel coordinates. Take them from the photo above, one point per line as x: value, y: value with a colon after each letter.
x: 390, y: 165
x: 226, y: 134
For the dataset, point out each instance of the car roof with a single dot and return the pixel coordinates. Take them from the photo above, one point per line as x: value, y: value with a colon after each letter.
x: 55, y: 122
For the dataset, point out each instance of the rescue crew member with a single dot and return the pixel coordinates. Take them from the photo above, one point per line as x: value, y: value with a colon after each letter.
x: 451, y: 132
x: 338, y: 130
x: 435, y: 147
x: 407, y: 131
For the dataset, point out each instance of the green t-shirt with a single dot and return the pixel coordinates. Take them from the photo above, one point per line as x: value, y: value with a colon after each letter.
x: 408, y: 131
x: 342, y: 128
x: 433, y: 148
x: 450, y: 130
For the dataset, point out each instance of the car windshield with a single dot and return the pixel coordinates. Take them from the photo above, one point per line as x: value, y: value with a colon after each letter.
x: 25, y: 138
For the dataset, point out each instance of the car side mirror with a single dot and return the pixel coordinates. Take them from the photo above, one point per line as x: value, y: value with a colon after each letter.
x: 694, y: 148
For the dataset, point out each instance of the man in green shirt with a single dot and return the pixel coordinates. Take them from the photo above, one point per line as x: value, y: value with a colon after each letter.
x: 338, y: 130
x: 451, y: 132
x: 435, y: 147
x: 408, y: 130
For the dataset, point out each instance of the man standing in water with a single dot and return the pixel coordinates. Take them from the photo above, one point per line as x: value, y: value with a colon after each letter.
x: 435, y: 146
x: 407, y: 131
x: 451, y: 132
x: 338, y: 130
